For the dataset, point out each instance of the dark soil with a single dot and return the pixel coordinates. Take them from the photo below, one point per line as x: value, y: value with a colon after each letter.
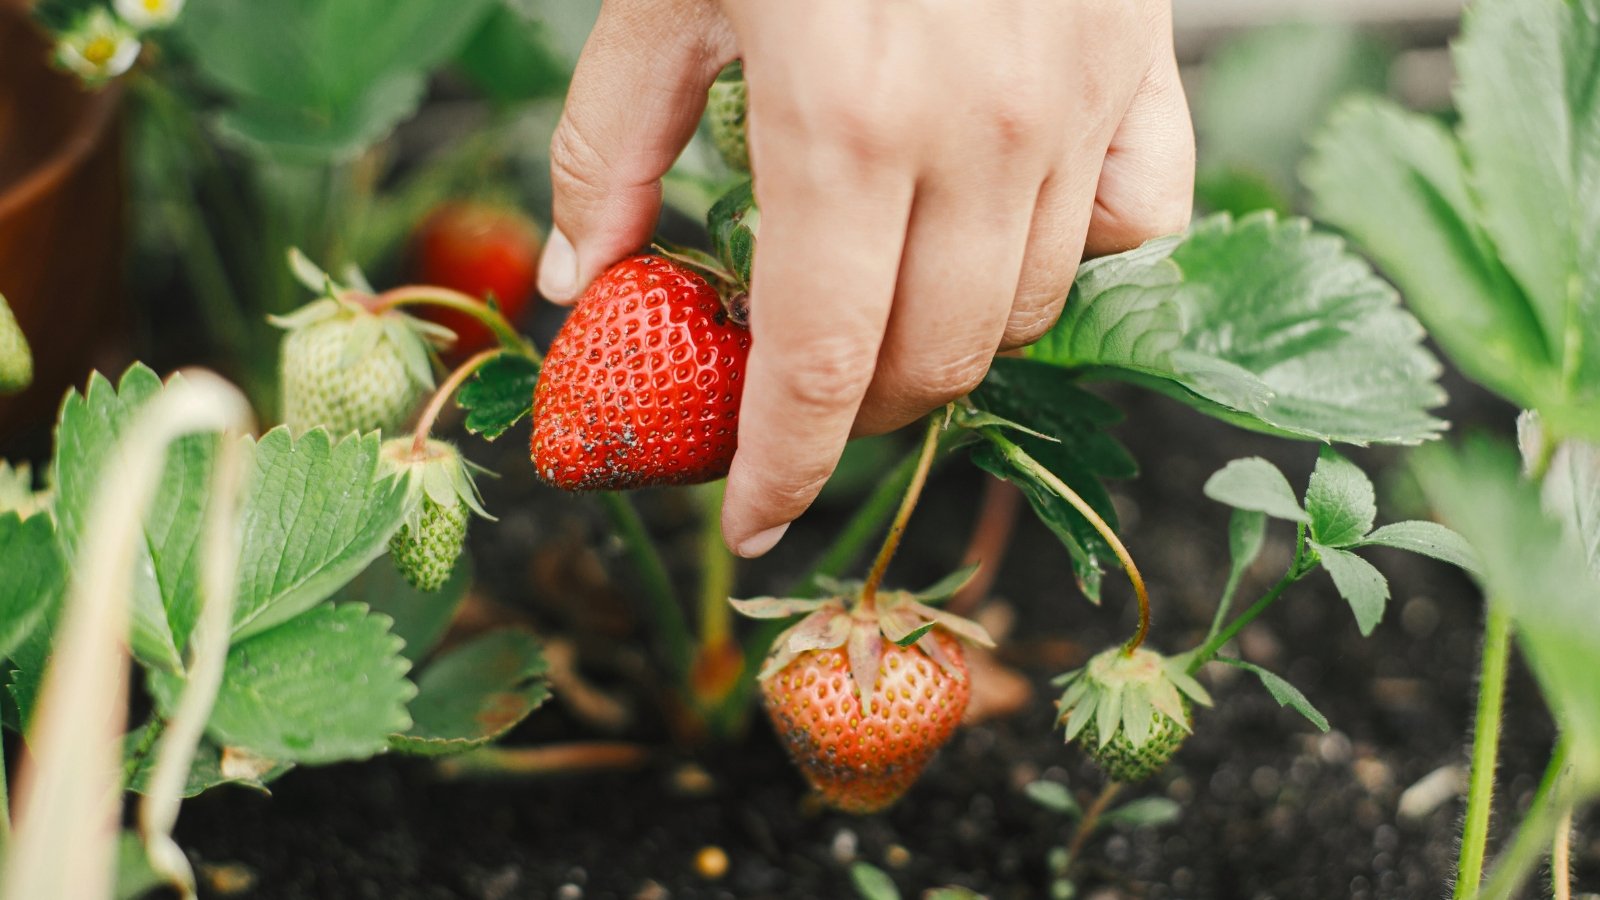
x: 1271, y: 808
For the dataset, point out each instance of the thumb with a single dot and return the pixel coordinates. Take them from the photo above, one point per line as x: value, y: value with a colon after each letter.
x: 635, y: 99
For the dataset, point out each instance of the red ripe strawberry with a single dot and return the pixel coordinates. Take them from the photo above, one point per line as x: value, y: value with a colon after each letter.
x: 860, y: 714
x: 642, y: 385
x: 481, y: 249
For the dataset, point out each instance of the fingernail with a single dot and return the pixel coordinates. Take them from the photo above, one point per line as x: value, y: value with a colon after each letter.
x: 558, y: 267
x: 763, y: 541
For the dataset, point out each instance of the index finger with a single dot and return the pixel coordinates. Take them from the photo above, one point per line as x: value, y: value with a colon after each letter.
x: 832, y: 230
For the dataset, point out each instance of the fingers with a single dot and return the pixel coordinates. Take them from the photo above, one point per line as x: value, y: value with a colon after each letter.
x: 1055, y: 244
x: 1147, y: 182
x: 958, y: 275
x: 635, y: 99
x: 820, y: 297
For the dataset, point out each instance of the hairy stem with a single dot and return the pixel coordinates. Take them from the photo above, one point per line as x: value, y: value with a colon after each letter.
x: 666, y: 613
x: 716, y: 566
x: 908, y: 503
x: 153, y: 729
x: 1091, y: 820
x: 1561, y: 857
x: 1485, y: 750
x: 1297, y: 570
x: 1551, y: 803
x: 419, y: 442
x: 1022, y: 459
x: 429, y: 295
x: 863, y: 525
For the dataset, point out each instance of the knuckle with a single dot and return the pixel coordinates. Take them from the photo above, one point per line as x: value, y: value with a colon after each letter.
x: 929, y: 385
x: 1028, y: 325
x: 576, y: 163
x: 829, y: 374
x: 792, y: 491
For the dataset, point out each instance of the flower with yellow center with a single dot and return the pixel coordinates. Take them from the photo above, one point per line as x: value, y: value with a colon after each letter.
x: 147, y: 14
x: 98, y: 48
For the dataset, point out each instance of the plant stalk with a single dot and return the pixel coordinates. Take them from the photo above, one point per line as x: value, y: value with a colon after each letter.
x: 429, y: 295
x: 419, y: 443
x: 1551, y: 803
x: 1091, y: 820
x: 1021, y: 458
x: 862, y: 527
x: 1209, y: 650
x: 908, y: 503
x: 1485, y: 750
x: 1561, y: 857
x: 672, y: 632
x: 716, y: 566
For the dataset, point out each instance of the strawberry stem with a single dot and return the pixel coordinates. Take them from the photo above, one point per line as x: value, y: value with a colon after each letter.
x: 1022, y: 459
x: 891, y: 541
x: 419, y: 442
x: 445, y: 298
x: 1091, y: 820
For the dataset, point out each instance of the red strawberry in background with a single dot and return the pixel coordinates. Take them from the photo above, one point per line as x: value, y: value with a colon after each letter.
x: 482, y: 249
x: 642, y: 385
x: 859, y: 713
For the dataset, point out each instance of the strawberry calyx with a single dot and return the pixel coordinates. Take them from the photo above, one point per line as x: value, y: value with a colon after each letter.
x: 1131, y: 710
x: 902, y: 617
x: 439, y: 474
x: 731, y: 291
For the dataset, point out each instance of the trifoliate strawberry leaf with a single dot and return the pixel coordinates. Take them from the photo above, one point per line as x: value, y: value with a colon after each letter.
x: 1247, y: 532
x: 33, y: 580
x: 315, y: 515
x: 212, y: 766
x: 1262, y: 323
x: 1145, y: 812
x: 1282, y: 691
x: 1359, y: 583
x: 1533, y: 569
x: 1340, y: 501
x: 1044, y: 399
x: 1054, y: 796
x: 325, y: 686
x: 1254, y: 484
x: 166, y: 562
x: 1428, y: 539
x: 474, y: 694
x: 310, y: 111
x: 420, y: 617
x: 499, y: 395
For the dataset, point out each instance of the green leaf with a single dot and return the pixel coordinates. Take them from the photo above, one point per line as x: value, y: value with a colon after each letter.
x: 1265, y: 91
x: 34, y: 577
x: 134, y: 878
x: 1530, y: 124
x: 1282, y: 691
x: 511, y: 58
x: 1428, y: 539
x: 475, y: 693
x: 1533, y: 570
x: 1572, y: 494
x: 315, y: 515
x: 1341, y: 501
x: 499, y: 395
x: 207, y: 771
x: 318, y: 80
x: 872, y: 883
x: 1261, y: 323
x: 1398, y: 183
x: 1054, y: 796
x: 325, y: 686
x: 1359, y: 583
x: 1145, y: 812
x: 950, y: 585
x: 1254, y: 484
x: 166, y: 563
x: 733, y: 222
x: 1045, y: 399
x: 1247, y: 532
x: 420, y: 618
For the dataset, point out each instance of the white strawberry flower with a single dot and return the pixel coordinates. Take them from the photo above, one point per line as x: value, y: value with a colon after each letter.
x: 147, y: 14
x: 98, y: 48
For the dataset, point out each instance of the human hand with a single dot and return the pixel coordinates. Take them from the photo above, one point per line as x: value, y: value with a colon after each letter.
x: 929, y: 175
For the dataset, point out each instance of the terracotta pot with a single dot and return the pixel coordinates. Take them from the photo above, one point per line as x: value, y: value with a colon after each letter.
x: 61, y: 217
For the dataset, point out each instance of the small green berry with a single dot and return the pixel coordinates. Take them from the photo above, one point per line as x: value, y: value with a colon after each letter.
x: 16, y: 361
x: 427, y: 554
x: 726, y: 107
x: 442, y: 497
x: 1129, y: 711
x: 1122, y: 761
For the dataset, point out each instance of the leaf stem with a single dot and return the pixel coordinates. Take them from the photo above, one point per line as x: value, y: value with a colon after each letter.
x: 908, y: 503
x: 1551, y: 803
x: 141, y: 751
x: 419, y: 442
x: 430, y: 295
x: 1091, y: 820
x: 671, y: 630
x: 1561, y: 857
x: 1297, y: 570
x: 868, y: 519
x: 1485, y: 750
x: 1021, y: 458
x: 716, y: 566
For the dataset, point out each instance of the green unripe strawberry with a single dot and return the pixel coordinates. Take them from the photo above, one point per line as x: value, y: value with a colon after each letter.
x: 725, y: 108
x: 346, y: 369
x: 1130, y: 711
x: 16, y: 361
x: 442, y: 497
